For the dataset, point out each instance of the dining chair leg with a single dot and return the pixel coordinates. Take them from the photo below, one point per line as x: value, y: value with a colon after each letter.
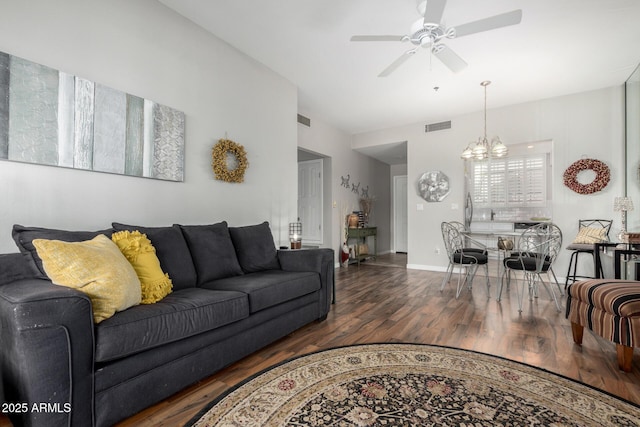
x: 460, y: 284
x: 486, y: 275
x: 549, y: 289
x: 502, y: 279
x: 560, y: 288
x: 520, y: 291
x: 447, y: 277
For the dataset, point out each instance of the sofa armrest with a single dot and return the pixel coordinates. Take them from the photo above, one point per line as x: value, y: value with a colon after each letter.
x: 317, y: 260
x: 47, y: 353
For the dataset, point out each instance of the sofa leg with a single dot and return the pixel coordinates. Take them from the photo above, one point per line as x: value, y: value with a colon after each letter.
x: 577, y: 331
x: 323, y: 318
x: 625, y: 356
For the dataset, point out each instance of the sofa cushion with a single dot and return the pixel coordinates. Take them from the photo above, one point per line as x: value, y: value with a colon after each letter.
x: 24, y: 236
x: 181, y: 314
x: 270, y: 287
x: 137, y: 248
x: 212, y: 251
x: 17, y: 266
x: 172, y: 251
x: 95, y: 267
x: 255, y: 247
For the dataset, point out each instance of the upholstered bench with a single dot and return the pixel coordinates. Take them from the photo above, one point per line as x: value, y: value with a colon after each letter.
x: 611, y: 309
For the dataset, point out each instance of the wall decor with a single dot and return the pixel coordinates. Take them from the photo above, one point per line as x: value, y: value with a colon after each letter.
x: 433, y: 186
x: 54, y: 118
x: 355, y: 188
x: 603, y: 175
x: 345, y: 181
x: 229, y: 161
x: 364, y: 193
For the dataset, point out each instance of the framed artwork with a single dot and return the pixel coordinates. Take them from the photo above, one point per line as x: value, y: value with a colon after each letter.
x: 53, y: 118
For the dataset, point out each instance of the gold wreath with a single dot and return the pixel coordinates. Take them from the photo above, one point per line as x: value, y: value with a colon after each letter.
x: 603, y: 175
x: 219, y: 155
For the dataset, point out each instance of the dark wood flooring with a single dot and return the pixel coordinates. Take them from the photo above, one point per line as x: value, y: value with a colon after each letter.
x: 379, y: 303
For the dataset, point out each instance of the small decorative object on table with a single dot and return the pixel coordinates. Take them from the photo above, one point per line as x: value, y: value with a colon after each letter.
x: 632, y: 238
x: 352, y: 220
x: 505, y: 244
x: 295, y: 235
x: 366, y: 204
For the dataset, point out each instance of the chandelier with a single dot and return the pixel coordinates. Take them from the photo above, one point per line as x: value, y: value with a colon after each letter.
x: 482, y: 149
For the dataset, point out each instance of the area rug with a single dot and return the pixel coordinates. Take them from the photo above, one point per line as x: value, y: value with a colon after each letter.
x: 413, y: 385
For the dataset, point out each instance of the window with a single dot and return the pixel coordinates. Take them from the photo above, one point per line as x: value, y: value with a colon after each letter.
x: 512, y: 182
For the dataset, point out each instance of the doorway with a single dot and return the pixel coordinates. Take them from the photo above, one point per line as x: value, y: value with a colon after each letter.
x: 310, y: 195
x: 400, y: 233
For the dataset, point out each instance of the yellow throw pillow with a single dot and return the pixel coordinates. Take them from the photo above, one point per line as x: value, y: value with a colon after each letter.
x: 137, y: 248
x: 590, y: 235
x: 95, y: 267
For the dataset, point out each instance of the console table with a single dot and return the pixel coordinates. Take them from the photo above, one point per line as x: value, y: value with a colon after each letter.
x: 361, y: 234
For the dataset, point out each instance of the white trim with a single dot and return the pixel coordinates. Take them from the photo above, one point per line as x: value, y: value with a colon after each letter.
x: 427, y: 267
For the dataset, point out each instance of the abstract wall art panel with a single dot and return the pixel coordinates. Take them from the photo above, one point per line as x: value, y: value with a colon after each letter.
x: 54, y: 118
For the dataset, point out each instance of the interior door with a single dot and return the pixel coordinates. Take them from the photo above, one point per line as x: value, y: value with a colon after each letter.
x: 310, y: 200
x: 400, y: 213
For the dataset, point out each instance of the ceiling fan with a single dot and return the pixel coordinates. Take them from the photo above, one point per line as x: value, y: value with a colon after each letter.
x: 429, y: 32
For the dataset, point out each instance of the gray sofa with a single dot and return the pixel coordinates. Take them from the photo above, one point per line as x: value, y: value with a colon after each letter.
x: 233, y: 293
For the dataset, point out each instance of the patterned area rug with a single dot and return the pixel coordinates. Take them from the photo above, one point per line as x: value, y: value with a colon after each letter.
x: 413, y: 385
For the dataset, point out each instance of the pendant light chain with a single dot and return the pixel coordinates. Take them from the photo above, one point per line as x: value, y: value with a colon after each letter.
x: 485, y: 84
x: 485, y: 112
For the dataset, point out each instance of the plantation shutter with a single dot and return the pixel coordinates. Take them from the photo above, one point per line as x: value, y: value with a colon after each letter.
x: 534, y: 180
x: 480, y: 184
x: 510, y: 182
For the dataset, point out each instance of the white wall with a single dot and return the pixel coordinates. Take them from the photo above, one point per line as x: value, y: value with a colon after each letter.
x: 588, y: 124
x: 143, y: 48
x: 324, y: 139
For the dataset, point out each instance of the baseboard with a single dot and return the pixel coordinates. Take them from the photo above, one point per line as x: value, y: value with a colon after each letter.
x: 426, y: 267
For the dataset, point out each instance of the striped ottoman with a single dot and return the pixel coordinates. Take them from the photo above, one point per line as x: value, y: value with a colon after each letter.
x: 611, y: 309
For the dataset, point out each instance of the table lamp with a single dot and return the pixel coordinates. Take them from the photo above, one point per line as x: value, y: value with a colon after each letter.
x: 295, y: 235
x: 623, y: 205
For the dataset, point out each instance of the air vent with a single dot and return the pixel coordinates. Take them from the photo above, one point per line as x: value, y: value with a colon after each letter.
x: 437, y: 126
x: 304, y: 120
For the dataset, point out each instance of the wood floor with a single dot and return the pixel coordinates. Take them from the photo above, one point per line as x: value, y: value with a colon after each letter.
x: 378, y: 302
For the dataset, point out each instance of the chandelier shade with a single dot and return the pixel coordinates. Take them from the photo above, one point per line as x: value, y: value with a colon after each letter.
x: 483, y: 149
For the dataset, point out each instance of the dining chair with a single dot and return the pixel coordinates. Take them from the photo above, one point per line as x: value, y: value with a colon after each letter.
x: 538, y: 248
x: 466, y: 258
x: 590, y: 232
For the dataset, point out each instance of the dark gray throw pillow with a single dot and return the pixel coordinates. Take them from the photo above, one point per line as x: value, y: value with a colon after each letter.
x: 172, y: 251
x: 24, y: 236
x: 17, y: 266
x: 255, y: 247
x: 212, y: 251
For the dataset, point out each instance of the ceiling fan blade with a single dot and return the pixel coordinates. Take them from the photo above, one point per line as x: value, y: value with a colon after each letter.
x: 376, y: 38
x: 434, y: 10
x: 398, y: 62
x: 503, y: 20
x: 450, y: 59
